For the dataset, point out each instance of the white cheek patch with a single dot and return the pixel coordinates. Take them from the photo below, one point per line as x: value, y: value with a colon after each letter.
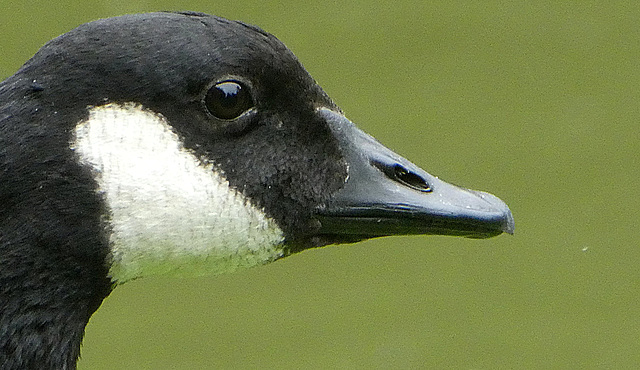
x: 169, y: 211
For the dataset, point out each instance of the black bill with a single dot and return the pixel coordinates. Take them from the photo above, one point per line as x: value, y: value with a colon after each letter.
x: 385, y: 194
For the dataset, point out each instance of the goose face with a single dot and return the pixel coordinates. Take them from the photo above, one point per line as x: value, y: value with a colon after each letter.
x: 183, y: 143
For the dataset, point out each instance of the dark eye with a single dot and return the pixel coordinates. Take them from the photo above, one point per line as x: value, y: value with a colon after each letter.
x: 228, y: 100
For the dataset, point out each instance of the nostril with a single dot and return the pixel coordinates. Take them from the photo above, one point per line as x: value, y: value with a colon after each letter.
x: 410, y: 179
x: 404, y: 176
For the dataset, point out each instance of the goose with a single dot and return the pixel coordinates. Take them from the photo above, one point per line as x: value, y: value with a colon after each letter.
x: 154, y: 143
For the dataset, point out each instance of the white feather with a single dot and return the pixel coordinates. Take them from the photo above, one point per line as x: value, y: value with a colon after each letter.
x: 169, y: 211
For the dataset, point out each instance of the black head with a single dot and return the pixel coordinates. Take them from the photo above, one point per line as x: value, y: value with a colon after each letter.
x: 239, y: 100
x: 187, y: 66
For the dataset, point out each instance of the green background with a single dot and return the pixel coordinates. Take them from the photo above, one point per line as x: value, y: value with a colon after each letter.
x: 534, y: 101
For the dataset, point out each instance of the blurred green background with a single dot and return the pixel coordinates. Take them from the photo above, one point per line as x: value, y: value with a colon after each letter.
x: 536, y: 102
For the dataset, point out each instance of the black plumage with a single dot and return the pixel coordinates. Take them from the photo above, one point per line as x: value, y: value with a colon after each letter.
x: 282, y: 154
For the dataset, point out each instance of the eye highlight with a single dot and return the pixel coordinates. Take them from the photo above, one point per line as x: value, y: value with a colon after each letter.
x: 228, y: 100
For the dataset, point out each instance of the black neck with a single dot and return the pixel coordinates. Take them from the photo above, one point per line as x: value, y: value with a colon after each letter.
x: 54, y: 245
x: 43, y: 316
x: 35, y: 337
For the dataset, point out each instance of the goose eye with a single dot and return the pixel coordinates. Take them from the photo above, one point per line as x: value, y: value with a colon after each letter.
x: 228, y: 100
